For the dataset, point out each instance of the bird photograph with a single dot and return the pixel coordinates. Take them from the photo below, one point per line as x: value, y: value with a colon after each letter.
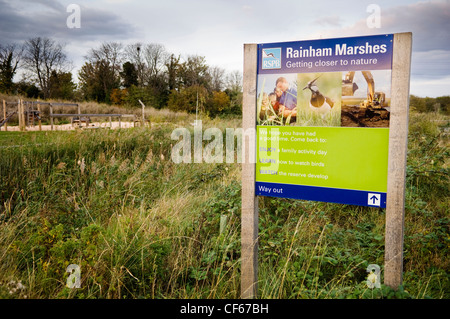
x: 319, y: 97
x: 318, y: 102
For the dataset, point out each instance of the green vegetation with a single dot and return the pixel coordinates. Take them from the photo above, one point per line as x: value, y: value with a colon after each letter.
x: 118, y: 74
x: 429, y: 104
x: 140, y: 226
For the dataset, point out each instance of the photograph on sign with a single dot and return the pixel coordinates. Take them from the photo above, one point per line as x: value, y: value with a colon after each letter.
x: 319, y: 99
x: 323, y: 109
x: 363, y: 103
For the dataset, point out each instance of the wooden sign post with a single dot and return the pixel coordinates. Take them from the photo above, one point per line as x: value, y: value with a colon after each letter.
x: 398, y: 144
x: 249, y: 225
x: 385, y: 188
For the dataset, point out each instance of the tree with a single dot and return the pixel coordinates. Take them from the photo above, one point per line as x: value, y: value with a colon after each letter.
x: 129, y: 75
x: 111, y: 52
x: 100, y: 74
x: 61, y: 86
x: 173, y: 70
x: 10, y: 56
x: 145, y: 94
x: 118, y: 96
x: 194, y: 71
x: 234, y: 81
x: 150, y: 62
x: 108, y: 59
x: 186, y: 99
x: 444, y: 102
x: 417, y: 103
x: 155, y: 56
x: 28, y: 89
x: 41, y: 57
x: 156, y: 77
x: 97, y: 81
x: 217, y: 76
x: 217, y: 104
x: 429, y: 104
x: 234, y: 91
x: 133, y: 53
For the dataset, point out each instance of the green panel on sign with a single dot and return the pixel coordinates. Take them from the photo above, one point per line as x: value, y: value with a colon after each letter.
x: 339, y: 157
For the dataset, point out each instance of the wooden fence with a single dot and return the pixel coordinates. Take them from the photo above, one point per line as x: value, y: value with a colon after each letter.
x: 29, y: 112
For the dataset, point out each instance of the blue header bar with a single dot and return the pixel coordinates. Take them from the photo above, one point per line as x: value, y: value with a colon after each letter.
x: 326, y: 55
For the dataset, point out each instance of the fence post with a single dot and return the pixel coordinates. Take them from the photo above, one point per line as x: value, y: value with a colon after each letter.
x: 51, y: 116
x: 21, y: 114
x: 143, y: 117
x: 4, y: 115
x: 39, y: 120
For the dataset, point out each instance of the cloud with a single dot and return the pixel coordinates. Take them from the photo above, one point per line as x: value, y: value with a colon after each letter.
x: 17, y: 24
x: 428, y: 21
x: 430, y: 87
x: 217, y: 29
x: 431, y: 63
x: 48, y: 3
x: 333, y: 20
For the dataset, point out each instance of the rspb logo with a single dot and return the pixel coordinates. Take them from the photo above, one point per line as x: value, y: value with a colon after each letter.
x: 271, y: 59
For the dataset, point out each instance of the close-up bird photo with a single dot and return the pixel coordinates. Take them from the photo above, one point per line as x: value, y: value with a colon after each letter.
x: 319, y: 99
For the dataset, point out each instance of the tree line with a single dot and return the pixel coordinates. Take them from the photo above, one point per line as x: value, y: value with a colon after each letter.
x: 115, y: 73
x: 430, y: 104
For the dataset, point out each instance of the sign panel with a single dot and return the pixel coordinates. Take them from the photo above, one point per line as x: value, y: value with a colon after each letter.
x: 323, y: 109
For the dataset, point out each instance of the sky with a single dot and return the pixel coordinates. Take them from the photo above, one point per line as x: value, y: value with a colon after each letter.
x: 218, y: 29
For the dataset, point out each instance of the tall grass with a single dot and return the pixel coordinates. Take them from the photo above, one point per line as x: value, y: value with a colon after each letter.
x: 140, y: 226
x: 114, y: 203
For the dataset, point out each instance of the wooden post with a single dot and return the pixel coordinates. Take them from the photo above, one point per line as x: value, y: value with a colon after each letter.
x: 29, y: 119
x: 398, y: 143
x: 4, y: 115
x: 143, y: 117
x: 249, y: 217
x: 79, y: 116
x: 20, y: 113
x: 51, y: 117
x: 24, y: 120
x: 39, y: 121
x: 110, y: 123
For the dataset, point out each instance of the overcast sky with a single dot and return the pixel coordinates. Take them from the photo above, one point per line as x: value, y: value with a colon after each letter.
x: 217, y: 29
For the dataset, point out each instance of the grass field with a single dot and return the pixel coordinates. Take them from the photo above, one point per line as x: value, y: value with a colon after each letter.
x: 140, y: 226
